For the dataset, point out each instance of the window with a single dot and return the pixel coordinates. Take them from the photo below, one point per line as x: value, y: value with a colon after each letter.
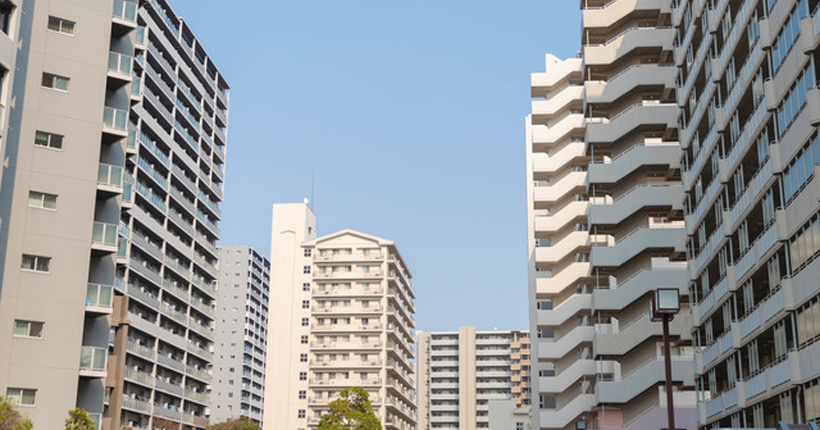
x: 55, y: 82
x: 305, y: 304
x: 42, y: 200
x: 60, y: 25
x: 304, y: 340
x: 303, y: 358
x: 519, y: 425
x: 308, y: 252
x: 300, y: 413
x: 28, y: 329
x: 306, y: 269
x: 36, y: 263
x: 48, y: 140
x: 21, y: 396
x: 305, y: 322
x: 306, y: 286
x: 302, y: 394
x: 303, y: 376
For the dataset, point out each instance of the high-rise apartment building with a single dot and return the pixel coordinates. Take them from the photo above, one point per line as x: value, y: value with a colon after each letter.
x: 162, y: 343
x: 748, y: 111
x: 109, y: 206
x: 460, y: 373
x: 606, y: 226
x: 342, y: 316
x: 240, y: 335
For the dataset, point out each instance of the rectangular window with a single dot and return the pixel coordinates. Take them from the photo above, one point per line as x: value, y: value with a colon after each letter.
x: 28, y: 329
x: 303, y: 376
x: 48, y: 140
x: 36, y: 263
x: 300, y: 413
x: 55, y: 82
x: 302, y: 394
x: 306, y: 269
x: 60, y: 25
x: 42, y: 200
x: 21, y: 396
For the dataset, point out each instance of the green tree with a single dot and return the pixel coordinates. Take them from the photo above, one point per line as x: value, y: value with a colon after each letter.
x: 351, y: 411
x: 243, y: 423
x: 78, y: 419
x: 11, y: 419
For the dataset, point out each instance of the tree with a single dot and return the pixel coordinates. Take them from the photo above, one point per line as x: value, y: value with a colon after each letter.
x: 10, y: 419
x: 351, y: 411
x: 78, y: 419
x: 243, y: 423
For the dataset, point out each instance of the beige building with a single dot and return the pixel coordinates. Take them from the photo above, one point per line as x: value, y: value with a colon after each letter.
x: 748, y: 115
x: 342, y: 316
x: 461, y: 373
x: 109, y: 206
x: 606, y: 226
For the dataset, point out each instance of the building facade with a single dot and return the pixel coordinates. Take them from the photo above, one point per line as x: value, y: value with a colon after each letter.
x: 342, y: 316
x: 461, y: 373
x: 748, y: 112
x: 110, y: 204
x: 240, y: 335
x: 60, y: 200
x: 175, y: 132
x: 606, y: 226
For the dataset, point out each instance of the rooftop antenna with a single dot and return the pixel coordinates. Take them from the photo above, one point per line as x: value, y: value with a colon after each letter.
x: 312, y: 187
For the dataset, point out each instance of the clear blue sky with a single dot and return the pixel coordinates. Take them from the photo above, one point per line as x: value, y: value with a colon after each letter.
x: 410, y: 114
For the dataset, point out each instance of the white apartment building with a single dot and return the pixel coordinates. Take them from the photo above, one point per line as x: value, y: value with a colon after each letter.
x: 749, y: 108
x: 240, y: 335
x: 606, y: 226
x: 342, y: 316
x: 462, y: 373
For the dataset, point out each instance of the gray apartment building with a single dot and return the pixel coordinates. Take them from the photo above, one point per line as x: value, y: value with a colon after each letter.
x: 109, y: 203
x: 241, y: 335
x: 748, y: 112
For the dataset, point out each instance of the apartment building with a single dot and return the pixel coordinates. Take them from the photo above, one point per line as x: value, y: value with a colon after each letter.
x: 60, y: 200
x: 172, y: 118
x: 606, y: 226
x: 342, y: 316
x: 748, y: 111
x: 461, y: 373
x: 240, y: 335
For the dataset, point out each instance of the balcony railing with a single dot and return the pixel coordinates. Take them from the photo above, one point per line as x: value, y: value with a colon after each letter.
x: 104, y: 234
x: 116, y: 119
x: 141, y: 350
x: 109, y: 175
x: 125, y: 10
x: 100, y: 296
x: 148, y: 168
x: 141, y: 31
x: 119, y: 63
x: 93, y: 359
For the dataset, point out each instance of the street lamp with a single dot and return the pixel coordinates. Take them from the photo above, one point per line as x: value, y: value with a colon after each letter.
x: 663, y: 306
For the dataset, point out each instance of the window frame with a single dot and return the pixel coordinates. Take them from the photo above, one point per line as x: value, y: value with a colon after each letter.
x: 18, y: 399
x: 28, y: 329
x: 36, y: 261
x: 54, y: 77
x: 42, y: 200
x: 49, y: 139
x: 60, y: 25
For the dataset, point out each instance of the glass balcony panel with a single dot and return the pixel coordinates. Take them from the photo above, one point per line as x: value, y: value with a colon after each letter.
x: 104, y: 234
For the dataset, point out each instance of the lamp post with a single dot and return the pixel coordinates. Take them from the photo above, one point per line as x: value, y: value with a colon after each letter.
x: 663, y: 307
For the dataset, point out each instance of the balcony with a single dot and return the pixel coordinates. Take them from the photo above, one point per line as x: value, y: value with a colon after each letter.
x: 645, y: 376
x: 560, y: 188
x: 125, y: 13
x: 641, y: 240
x: 567, y: 378
x: 611, y: 130
x: 136, y: 405
x: 141, y: 350
x: 566, y: 278
x: 99, y: 298
x: 104, y: 237
x: 115, y: 121
x: 119, y: 67
x: 634, y: 158
x: 93, y: 362
x: 604, y: 54
x: 556, y: 221
x: 109, y: 178
x: 554, y: 350
x: 616, y: 10
x: 615, y: 211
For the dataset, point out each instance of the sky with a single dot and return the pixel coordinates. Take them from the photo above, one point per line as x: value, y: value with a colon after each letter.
x: 400, y: 119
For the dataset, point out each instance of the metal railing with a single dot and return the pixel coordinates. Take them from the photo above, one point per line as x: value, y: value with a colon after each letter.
x: 101, y: 296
